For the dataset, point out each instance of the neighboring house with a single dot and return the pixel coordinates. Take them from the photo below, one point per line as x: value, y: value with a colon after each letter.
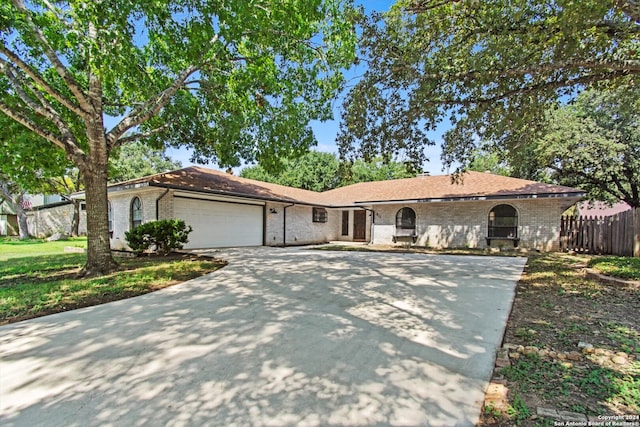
x: 8, y: 220
x: 601, y: 208
x: 55, y: 217
x: 225, y: 210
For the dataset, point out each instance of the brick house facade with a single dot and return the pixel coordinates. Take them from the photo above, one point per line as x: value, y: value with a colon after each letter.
x: 226, y: 210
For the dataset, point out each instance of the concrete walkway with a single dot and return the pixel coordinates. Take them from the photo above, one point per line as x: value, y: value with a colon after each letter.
x: 278, y: 337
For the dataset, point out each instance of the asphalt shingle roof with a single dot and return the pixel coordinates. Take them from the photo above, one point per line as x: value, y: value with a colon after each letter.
x: 473, y: 185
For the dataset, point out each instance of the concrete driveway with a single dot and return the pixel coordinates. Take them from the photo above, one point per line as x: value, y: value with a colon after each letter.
x: 278, y: 337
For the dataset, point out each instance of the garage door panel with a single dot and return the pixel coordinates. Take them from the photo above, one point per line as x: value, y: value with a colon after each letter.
x: 220, y: 224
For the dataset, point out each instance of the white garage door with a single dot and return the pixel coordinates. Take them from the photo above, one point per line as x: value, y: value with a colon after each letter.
x: 220, y: 224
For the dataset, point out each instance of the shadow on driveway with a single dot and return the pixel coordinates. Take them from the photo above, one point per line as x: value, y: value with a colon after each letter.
x: 278, y: 337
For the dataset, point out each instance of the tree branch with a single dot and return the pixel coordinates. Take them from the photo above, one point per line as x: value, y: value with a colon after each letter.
x: 50, y: 53
x: 37, y: 78
x: 631, y: 66
x: 69, y: 146
x: 528, y: 89
x: 29, y: 124
x: 138, y: 136
x: 152, y: 106
x: 149, y: 109
x: 43, y: 108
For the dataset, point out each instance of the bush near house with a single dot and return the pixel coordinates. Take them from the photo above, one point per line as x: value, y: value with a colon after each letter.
x: 166, y: 235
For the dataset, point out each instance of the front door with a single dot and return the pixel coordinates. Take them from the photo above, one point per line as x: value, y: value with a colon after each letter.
x: 359, y: 225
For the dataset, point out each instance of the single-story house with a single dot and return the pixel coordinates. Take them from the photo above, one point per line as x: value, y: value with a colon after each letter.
x: 225, y: 210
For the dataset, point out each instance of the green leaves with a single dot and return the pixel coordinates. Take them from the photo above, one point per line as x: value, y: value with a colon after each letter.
x: 493, y: 68
x: 318, y: 171
x: 594, y: 144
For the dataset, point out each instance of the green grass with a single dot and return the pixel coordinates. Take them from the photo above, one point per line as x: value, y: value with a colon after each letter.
x: 33, y: 285
x: 14, y: 248
x: 623, y: 267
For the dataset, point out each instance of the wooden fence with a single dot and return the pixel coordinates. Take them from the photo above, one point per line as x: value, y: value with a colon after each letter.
x: 611, y: 235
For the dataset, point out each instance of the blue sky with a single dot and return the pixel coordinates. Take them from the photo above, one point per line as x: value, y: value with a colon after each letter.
x: 325, y: 132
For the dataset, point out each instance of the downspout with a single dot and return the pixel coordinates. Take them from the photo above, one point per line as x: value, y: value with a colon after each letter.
x: 158, y: 203
x: 284, y: 225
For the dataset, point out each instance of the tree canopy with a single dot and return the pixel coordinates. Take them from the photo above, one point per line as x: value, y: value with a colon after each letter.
x: 492, y: 68
x: 137, y: 159
x: 594, y: 144
x: 232, y: 79
x: 319, y: 171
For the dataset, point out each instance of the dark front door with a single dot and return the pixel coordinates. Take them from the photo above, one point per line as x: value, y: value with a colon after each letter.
x: 359, y: 225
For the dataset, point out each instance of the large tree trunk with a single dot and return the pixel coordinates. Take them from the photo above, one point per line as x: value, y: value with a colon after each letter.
x: 23, y: 225
x: 75, y: 219
x: 15, y: 201
x: 99, y: 259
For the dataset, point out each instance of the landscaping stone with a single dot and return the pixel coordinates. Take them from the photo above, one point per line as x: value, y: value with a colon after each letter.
x: 530, y: 349
x: 575, y: 356
x: 562, y: 415
x: 585, y: 346
x: 496, y: 397
x: 619, y: 360
x: 502, y: 360
x: 548, y: 413
x: 572, y: 416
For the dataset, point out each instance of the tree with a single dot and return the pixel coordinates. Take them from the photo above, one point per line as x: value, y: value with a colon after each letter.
x: 594, y: 144
x: 377, y: 169
x: 485, y: 160
x: 493, y: 68
x: 319, y: 171
x: 234, y: 80
x: 136, y: 160
x: 28, y: 166
x: 314, y: 171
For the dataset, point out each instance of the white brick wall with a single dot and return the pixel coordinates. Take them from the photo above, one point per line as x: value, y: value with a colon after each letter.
x: 121, y: 209
x: 464, y: 224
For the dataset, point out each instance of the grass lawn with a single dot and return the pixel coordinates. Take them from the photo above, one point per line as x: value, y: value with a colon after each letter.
x: 14, y: 248
x: 623, y: 267
x: 557, y: 307
x: 38, y: 278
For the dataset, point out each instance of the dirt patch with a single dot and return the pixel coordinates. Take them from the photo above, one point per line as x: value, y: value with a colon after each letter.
x: 560, y: 312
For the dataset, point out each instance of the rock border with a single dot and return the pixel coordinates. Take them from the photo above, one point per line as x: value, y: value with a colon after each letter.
x: 593, y: 274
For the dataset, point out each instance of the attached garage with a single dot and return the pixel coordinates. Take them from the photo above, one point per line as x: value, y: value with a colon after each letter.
x: 218, y: 223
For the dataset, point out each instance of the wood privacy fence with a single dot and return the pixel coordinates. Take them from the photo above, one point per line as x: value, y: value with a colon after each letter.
x: 618, y: 234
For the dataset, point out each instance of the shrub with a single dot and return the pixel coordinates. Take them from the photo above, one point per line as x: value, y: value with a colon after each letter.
x: 166, y: 235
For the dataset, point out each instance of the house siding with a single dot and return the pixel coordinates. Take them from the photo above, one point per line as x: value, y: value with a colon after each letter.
x: 465, y: 224
x: 300, y: 228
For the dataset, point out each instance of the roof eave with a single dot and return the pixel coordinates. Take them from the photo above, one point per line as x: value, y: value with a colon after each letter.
x: 474, y: 198
x: 235, y: 194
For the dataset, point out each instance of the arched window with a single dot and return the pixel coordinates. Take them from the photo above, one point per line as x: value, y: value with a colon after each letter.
x: 503, y: 222
x: 406, y: 219
x: 136, y: 212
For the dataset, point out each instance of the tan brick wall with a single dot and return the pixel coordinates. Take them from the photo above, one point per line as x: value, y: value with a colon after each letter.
x: 464, y: 224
